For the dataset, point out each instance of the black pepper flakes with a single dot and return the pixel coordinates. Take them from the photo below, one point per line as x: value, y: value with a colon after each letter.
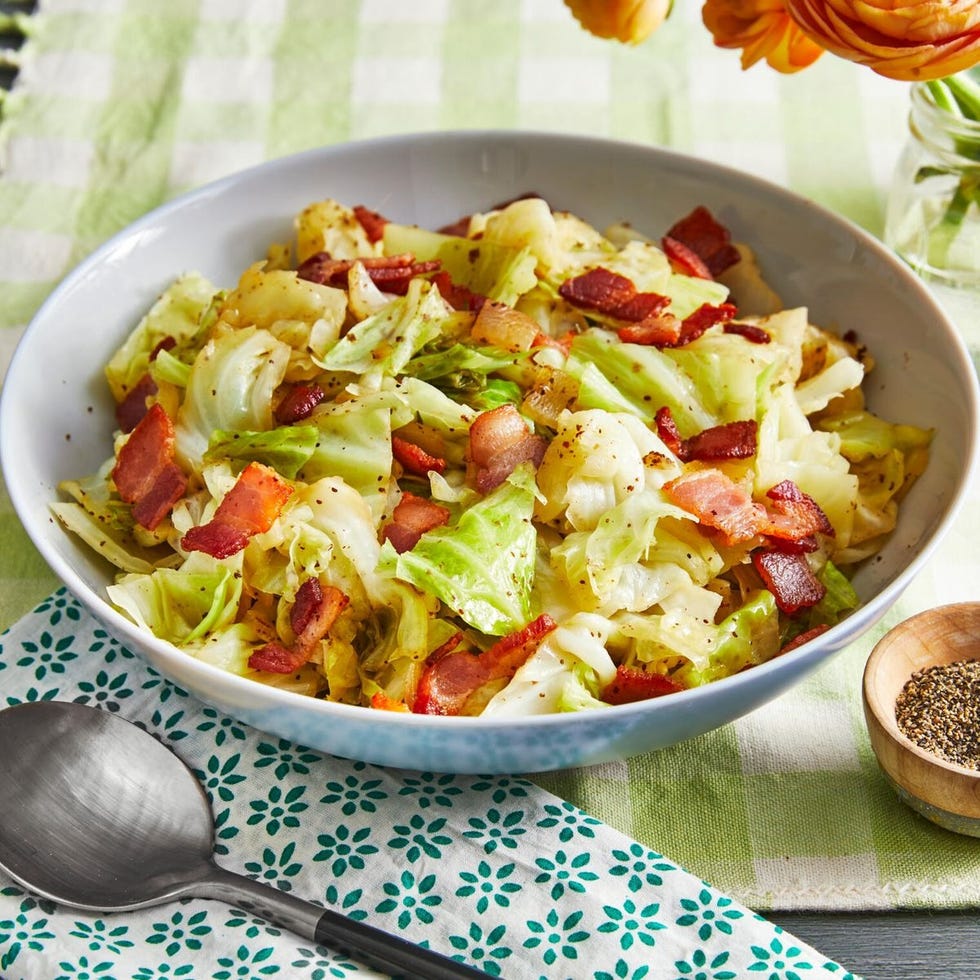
x: 939, y: 710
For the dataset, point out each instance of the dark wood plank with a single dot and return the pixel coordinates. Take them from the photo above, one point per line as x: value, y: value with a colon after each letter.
x: 914, y: 945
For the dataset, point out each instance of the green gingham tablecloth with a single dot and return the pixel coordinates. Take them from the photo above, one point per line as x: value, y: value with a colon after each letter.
x: 120, y: 104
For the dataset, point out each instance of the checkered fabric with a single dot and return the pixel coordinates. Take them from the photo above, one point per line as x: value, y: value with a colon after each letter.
x: 121, y: 104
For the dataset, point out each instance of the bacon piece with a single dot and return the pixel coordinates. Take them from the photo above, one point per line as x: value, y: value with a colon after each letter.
x: 154, y: 505
x: 798, y: 515
x: 459, y: 228
x: 411, y: 518
x: 414, y: 459
x: 720, y: 503
x: 665, y: 330
x: 788, y: 576
x: 276, y: 659
x: 717, y: 502
x: 250, y: 507
x: 392, y: 273
x: 499, y: 442
x: 684, y: 259
x: 702, y: 319
x: 707, y: 238
x: 458, y: 297
x: 598, y: 289
x: 732, y: 440
x: 315, y: 610
x: 312, y: 616
x: 752, y: 333
x: 804, y: 637
x: 633, y: 684
x: 372, y: 223
x: 450, y: 677
x: 662, y: 330
x: 668, y: 432
x: 133, y: 407
x: 299, y: 403
x: 145, y: 473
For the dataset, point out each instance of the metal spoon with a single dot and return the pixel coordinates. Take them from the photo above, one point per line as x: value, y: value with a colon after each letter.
x: 99, y: 815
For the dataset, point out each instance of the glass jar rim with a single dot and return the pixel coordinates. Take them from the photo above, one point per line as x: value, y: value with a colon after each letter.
x: 925, y: 107
x: 953, y: 137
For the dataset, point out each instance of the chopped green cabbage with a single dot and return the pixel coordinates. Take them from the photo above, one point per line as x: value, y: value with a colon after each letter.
x: 585, y: 530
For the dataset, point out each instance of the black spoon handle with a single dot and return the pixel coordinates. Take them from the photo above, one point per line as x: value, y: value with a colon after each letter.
x: 384, y: 951
x: 374, y: 947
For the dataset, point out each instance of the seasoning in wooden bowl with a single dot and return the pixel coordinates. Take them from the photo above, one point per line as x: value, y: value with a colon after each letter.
x: 939, y: 709
x: 921, y: 704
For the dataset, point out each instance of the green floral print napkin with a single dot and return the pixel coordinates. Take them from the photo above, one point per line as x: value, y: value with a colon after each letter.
x: 493, y: 871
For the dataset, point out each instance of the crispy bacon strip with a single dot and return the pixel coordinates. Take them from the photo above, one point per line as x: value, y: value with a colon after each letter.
x: 684, y: 259
x: 411, y: 518
x: 450, y: 677
x: 133, y: 407
x: 250, y: 507
x: 299, y: 403
x: 732, y: 440
x: 145, y: 473
x: 314, y: 612
x: 661, y: 330
x: 392, y: 273
x: 668, y: 432
x: 372, y: 222
x: 458, y: 297
x: 804, y: 637
x: 499, y: 442
x: 788, y: 576
x: 707, y: 238
x: 702, y: 319
x: 414, y: 459
x: 797, y: 515
x: 633, y: 684
x: 612, y: 294
x: 752, y: 333
x: 717, y: 502
x: 276, y: 659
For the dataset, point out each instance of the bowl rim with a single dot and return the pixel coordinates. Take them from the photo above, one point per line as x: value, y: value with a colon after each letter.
x: 834, y: 639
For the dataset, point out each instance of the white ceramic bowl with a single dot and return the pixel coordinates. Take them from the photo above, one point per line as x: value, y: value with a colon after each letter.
x: 56, y: 415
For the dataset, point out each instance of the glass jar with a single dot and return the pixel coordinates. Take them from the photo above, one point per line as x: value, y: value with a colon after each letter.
x: 933, y: 215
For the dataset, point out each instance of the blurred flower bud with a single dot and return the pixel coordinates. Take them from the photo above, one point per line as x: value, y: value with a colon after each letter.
x: 762, y: 29
x: 629, y: 21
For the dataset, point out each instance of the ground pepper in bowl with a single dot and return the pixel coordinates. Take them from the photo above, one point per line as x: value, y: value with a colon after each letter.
x: 939, y: 710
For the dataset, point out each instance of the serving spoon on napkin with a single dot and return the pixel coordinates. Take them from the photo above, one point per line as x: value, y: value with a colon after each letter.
x: 100, y: 815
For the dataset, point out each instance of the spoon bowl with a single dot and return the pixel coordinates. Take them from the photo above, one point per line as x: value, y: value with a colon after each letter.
x: 62, y: 832
x: 101, y: 816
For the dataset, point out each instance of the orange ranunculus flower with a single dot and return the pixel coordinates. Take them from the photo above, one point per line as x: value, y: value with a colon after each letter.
x: 762, y: 29
x: 909, y: 40
x: 630, y: 21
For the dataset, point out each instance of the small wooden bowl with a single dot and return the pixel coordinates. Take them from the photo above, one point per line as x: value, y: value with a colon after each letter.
x: 943, y: 792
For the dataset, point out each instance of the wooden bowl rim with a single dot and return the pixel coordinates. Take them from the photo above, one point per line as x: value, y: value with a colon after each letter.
x: 879, y: 696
